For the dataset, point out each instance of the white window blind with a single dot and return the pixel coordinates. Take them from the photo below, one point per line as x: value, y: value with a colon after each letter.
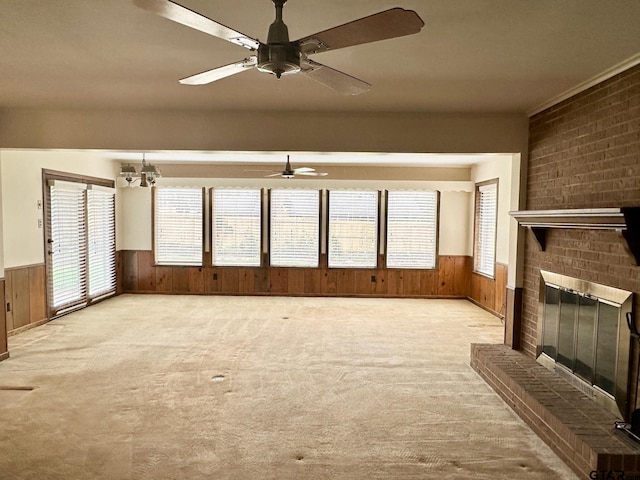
x: 294, y: 239
x: 101, y: 236
x: 67, y: 245
x: 485, y: 230
x: 412, y: 229
x: 353, y: 229
x: 178, y: 221
x: 237, y: 227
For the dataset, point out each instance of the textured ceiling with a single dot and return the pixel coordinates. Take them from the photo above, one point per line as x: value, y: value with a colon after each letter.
x: 472, y: 55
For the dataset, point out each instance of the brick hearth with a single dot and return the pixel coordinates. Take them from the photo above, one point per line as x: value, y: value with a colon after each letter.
x: 580, y: 431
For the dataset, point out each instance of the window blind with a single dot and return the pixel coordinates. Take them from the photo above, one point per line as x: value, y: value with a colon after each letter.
x: 353, y: 229
x: 237, y: 227
x: 485, y: 232
x: 294, y: 229
x: 412, y: 229
x: 178, y: 225
x: 67, y: 246
x: 101, y: 236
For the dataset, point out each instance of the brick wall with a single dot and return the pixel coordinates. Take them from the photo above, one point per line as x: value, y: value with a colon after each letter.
x: 584, y: 153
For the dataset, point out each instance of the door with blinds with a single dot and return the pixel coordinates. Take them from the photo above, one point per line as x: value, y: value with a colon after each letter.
x: 80, y: 243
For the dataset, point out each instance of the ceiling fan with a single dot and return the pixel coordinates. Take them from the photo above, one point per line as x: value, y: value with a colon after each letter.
x: 289, y: 172
x: 279, y: 56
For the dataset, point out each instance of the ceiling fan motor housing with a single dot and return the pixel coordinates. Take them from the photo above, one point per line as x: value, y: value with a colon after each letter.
x: 279, y: 59
x: 278, y: 55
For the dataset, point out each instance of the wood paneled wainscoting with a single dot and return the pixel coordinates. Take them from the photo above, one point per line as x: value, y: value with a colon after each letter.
x: 4, y: 350
x: 490, y: 293
x: 25, y: 297
x: 138, y: 274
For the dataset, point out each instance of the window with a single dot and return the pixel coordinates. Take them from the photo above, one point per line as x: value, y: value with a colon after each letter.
x: 178, y: 225
x: 412, y: 226
x: 67, y: 245
x: 485, y: 227
x: 294, y: 228
x: 353, y: 229
x: 237, y: 227
x: 101, y: 239
x: 80, y: 225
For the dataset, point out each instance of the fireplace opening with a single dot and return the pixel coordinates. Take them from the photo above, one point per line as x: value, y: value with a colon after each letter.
x: 584, y: 336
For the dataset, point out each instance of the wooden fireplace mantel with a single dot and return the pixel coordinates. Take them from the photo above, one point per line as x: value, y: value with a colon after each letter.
x: 625, y: 220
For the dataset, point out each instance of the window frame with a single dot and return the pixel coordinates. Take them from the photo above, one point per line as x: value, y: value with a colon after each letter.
x: 436, y: 246
x: 270, y: 226
x: 212, y: 243
x: 83, y: 182
x: 154, y: 236
x: 476, y: 230
x: 377, y: 229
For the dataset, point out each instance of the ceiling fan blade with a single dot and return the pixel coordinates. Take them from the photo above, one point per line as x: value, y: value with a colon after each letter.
x: 334, y: 79
x: 313, y: 174
x: 220, y: 72
x: 392, y: 23
x: 303, y: 169
x: 185, y: 16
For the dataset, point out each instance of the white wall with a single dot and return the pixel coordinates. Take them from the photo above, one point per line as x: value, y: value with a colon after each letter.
x: 148, y: 130
x: 135, y: 220
x: 21, y: 178
x: 456, y: 214
x: 20, y: 186
x: 502, y: 168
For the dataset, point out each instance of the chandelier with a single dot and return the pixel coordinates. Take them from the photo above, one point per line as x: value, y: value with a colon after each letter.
x: 148, y: 174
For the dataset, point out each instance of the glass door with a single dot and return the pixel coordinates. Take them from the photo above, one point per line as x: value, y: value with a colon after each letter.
x: 80, y: 243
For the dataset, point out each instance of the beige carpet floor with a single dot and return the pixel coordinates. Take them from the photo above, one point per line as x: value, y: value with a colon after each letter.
x: 188, y: 387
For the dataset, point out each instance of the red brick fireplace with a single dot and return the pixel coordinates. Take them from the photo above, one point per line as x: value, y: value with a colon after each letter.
x: 584, y: 157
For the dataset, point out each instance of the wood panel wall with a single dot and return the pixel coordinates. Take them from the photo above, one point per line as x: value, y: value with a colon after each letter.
x: 138, y: 274
x: 4, y: 350
x: 490, y: 293
x: 25, y: 297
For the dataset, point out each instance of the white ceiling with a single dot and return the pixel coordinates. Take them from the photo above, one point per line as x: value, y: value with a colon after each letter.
x: 472, y: 55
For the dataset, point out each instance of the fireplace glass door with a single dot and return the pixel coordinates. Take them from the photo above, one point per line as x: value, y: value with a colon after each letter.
x: 585, y: 336
x: 581, y: 333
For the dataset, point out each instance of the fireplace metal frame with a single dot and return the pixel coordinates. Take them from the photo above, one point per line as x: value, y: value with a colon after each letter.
x: 618, y: 404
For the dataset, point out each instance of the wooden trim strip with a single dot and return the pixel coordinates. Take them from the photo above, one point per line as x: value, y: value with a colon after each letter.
x: 73, y: 177
x: 29, y: 326
x: 13, y: 269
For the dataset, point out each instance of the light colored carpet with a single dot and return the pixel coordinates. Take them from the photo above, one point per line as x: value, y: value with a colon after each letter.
x: 313, y: 388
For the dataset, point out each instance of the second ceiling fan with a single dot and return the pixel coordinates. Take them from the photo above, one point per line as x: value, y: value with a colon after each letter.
x: 290, y: 172
x: 279, y: 56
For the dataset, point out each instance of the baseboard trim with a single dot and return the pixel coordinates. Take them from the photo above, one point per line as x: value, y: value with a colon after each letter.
x: 285, y: 294
x: 478, y: 304
x: 24, y: 328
